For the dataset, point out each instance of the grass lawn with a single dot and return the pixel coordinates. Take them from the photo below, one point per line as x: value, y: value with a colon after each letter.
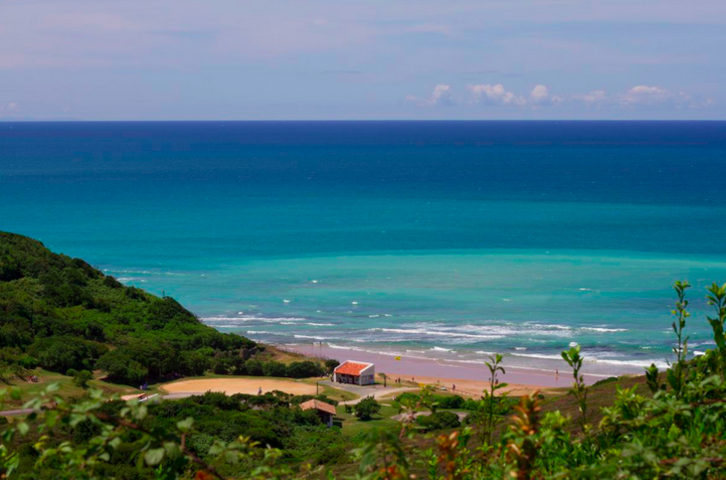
x: 352, y: 426
x: 330, y: 392
x: 67, y: 387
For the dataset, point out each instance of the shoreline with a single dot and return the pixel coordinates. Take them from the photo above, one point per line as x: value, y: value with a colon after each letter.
x: 446, y: 371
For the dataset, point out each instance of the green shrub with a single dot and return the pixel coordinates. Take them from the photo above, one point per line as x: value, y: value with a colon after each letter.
x: 438, y: 421
x: 366, y: 408
x: 82, y: 378
x: 305, y: 369
x: 331, y: 364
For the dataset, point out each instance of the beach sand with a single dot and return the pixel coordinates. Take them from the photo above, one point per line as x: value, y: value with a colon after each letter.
x: 467, y: 376
x: 234, y: 385
x: 473, y: 388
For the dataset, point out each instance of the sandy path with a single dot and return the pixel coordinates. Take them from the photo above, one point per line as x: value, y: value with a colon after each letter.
x: 234, y: 385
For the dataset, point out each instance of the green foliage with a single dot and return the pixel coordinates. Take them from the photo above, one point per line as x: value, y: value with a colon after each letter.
x: 717, y: 298
x: 60, y: 353
x: 330, y: 365
x: 121, y: 368
x: 304, y: 369
x: 676, y: 376
x: 61, y: 313
x: 448, y: 402
x: 579, y: 390
x: 438, y: 421
x: 82, y: 378
x: 366, y: 408
x: 212, y: 433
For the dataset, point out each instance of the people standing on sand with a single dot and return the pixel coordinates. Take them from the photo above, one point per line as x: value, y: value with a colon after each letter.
x: 557, y: 375
x: 453, y: 387
x: 259, y: 391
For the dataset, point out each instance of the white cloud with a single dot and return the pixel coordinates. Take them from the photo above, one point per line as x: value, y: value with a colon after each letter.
x: 654, y: 96
x: 647, y: 95
x: 540, y: 95
x: 595, y: 97
x: 8, y: 107
x: 440, y: 96
x: 495, y: 95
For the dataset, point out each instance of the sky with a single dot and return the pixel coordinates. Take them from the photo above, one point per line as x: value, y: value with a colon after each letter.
x: 362, y: 59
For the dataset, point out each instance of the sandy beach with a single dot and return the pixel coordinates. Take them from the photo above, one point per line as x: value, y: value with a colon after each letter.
x: 467, y: 376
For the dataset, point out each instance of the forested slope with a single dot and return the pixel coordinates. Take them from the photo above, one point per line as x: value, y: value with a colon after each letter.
x: 60, y: 313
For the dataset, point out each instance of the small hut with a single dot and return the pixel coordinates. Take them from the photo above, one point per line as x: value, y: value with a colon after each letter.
x: 326, y: 411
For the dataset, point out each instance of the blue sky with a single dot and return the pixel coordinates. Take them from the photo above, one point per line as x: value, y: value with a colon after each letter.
x: 366, y: 59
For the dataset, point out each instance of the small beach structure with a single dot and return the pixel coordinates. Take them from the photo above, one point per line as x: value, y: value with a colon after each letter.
x: 356, y: 373
x: 326, y: 411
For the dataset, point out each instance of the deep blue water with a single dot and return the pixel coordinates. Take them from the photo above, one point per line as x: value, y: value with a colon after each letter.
x: 424, y: 238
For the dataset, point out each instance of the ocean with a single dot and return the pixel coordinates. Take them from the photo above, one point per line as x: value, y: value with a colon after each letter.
x: 446, y: 240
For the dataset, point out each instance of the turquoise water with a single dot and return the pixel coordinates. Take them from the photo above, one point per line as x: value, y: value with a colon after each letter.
x: 443, y: 240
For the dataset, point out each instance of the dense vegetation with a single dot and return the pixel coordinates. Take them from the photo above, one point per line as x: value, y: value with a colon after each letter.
x: 272, y: 419
x: 668, y: 424
x: 62, y: 314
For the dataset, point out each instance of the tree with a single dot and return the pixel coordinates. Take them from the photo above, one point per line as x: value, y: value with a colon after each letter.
x: 81, y: 378
x: 330, y: 365
x: 122, y: 368
x: 366, y: 408
x: 304, y: 369
x: 438, y: 421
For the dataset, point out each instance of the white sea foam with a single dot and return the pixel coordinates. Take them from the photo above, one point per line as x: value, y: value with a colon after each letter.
x: 543, y: 356
x: 441, y: 349
x: 421, y: 331
x: 629, y: 363
x: 550, y: 326
x: 312, y: 337
x: 603, y: 329
x: 251, y: 318
x: 320, y: 324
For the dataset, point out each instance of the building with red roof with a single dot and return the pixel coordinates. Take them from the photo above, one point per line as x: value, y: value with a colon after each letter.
x: 356, y: 373
x: 325, y: 411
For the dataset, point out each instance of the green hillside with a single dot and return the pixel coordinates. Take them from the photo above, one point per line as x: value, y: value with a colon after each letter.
x: 60, y: 313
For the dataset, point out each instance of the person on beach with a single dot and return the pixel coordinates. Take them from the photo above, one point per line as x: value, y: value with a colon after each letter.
x: 557, y: 375
x: 453, y: 387
x: 259, y: 391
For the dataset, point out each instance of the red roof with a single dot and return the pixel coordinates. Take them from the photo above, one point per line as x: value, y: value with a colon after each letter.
x: 352, y: 368
x: 318, y: 405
